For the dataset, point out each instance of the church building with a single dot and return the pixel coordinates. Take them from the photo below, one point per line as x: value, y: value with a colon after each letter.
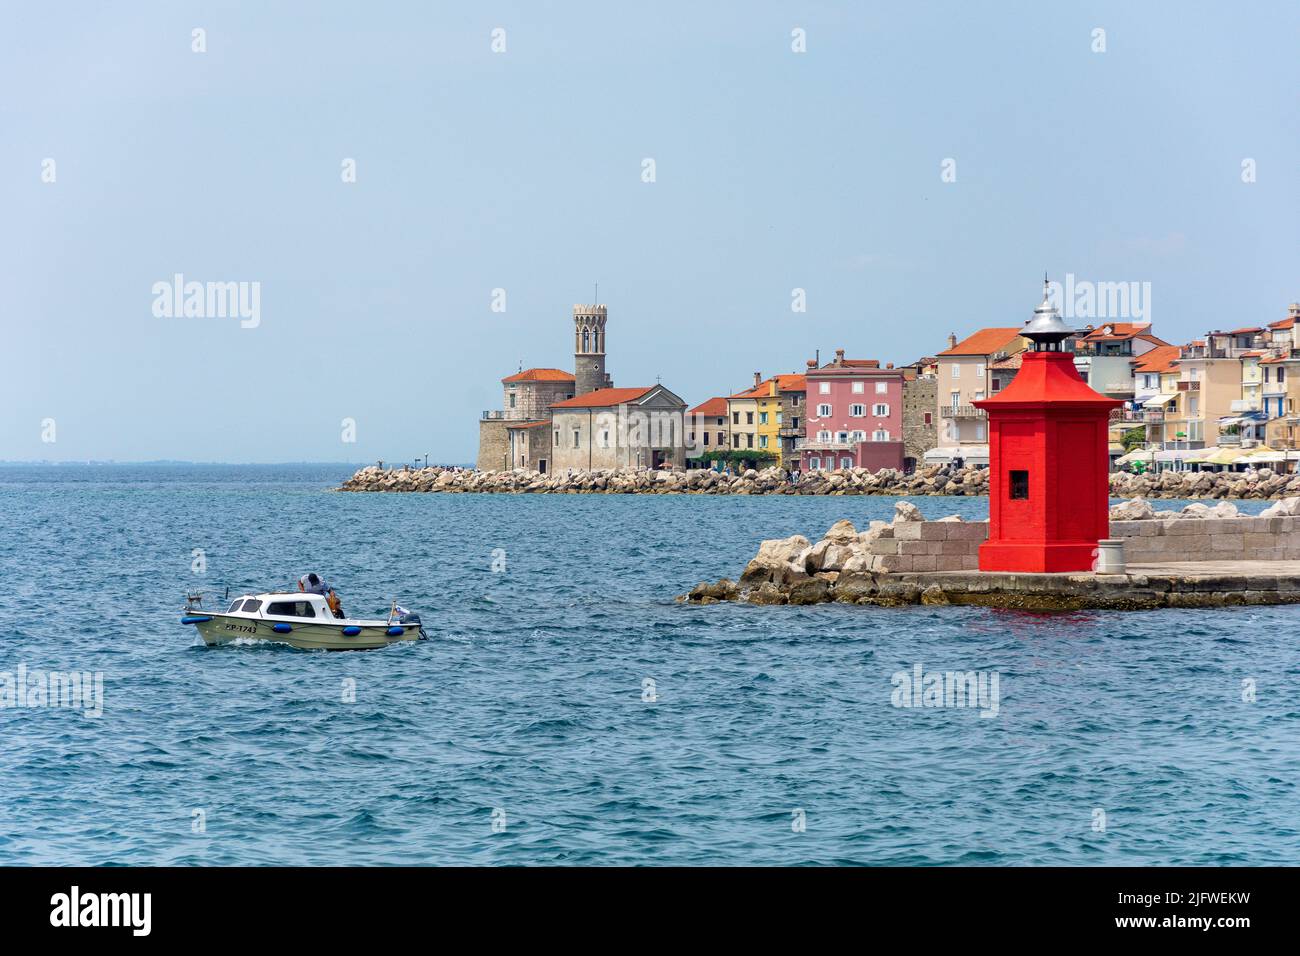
x: 551, y: 419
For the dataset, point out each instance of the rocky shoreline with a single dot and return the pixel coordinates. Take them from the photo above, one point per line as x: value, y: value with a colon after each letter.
x: 928, y: 480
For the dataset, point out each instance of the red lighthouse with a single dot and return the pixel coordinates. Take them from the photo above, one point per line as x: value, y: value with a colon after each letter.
x: 1049, y: 492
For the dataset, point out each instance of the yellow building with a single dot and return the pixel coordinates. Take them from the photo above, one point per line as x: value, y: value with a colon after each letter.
x: 755, y: 421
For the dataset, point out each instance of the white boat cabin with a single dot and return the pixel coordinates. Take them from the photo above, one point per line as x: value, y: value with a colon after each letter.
x: 283, y: 606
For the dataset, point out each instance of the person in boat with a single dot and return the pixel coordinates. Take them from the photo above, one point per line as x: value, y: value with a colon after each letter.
x: 313, y: 583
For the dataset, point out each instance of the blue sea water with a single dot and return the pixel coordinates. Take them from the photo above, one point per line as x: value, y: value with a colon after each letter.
x: 520, y: 733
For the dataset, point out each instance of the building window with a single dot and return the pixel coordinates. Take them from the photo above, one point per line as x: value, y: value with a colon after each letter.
x: 846, y: 462
x: 859, y: 387
x: 858, y: 436
x: 882, y: 388
x: 735, y: 418
x: 956, y: 370
x: 881, y: 410
x: 857, y: 411
x: 1020, y: 485
x: 880, y: 434
x: 512, y: 399
x: 762, y: 418
x: 557, y: 438
x: 979, y: 370
x: 749, y: 441
x: 735, y: 441
x: 604, y: 438
x: 928, y: 418
x: 794, y: 400
x: 814, y: 464
x: 762, y: 441
x: 1281, y: 374
x: 794, y: 423
x: 842, y: 438
x: 823, y: 411
x: 722, y: 438
x: 823, y: 436
x: 749, y: 418
x: 823, y: 388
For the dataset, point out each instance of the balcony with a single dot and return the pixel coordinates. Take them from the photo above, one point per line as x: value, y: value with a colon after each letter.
x: 961, y: 411
x: 492, y: 416
x: 1140, y: 416
x: 1189, y: 386
x: 1118, y: 388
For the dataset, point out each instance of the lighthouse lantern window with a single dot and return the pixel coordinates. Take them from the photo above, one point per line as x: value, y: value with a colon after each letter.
x: 1019, y: 485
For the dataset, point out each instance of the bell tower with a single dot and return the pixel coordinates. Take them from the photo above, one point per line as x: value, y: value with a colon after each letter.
x: 589, y: 349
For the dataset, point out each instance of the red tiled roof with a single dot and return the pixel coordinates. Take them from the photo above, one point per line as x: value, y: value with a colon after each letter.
x: 1162, y: 358
x: 1272, y: 360
x: 984, y: 342
x: 602, y: 398
x: 791, y: 383
x: 855, y: 363
x: 1119, y: 331
x: 1281, y: 324
x: 762, y: 390
x: 540, y: 375
x: 1244, y: 331
x: 528, y: 424
x: 710, y: 406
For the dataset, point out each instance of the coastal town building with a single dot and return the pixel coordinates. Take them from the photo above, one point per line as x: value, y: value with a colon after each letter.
x: 743, y: 415
x: 964, y: 376
x: 920, y: 418
x: 619, y: 428
x: 792, y: 391
x: 1104, y: 356
x: 707, y: 430
x: 511, y: 437
x: 855, y: 415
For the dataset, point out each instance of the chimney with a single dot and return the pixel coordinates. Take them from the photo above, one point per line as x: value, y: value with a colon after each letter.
x: 889, y: 365
x: 758, y: 379
x: 952, y: 340
x: 812, y: 363
x: 839, y: 356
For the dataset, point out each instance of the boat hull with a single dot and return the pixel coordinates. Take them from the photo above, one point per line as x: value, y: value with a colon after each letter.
x: 225, y: 629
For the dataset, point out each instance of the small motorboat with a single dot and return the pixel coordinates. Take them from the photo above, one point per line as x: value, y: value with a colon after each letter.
x: 300, y: 620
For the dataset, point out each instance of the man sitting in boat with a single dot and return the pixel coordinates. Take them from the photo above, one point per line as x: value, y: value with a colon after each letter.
x: 312, y: 583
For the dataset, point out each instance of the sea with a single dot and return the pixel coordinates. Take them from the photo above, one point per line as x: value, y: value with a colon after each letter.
x: 566, y: 709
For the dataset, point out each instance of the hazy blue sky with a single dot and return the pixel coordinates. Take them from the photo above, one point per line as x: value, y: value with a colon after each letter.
x: 523, y: 170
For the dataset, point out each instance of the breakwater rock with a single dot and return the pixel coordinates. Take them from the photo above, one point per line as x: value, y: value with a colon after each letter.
x: 928, y: 480
x: 931, y: 480
x: 1260, y: 484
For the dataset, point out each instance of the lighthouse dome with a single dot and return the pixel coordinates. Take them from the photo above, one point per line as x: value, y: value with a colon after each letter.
x: 1045, y: 329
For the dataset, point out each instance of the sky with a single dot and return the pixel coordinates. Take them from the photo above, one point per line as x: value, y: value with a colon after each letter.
x: 914, y: 170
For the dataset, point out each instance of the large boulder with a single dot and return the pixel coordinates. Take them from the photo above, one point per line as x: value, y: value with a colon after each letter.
x: 906, y: 511
x: 1283, y: 508
x: 1136, y: 509
x: 778, y: 560
x: 842, y: 532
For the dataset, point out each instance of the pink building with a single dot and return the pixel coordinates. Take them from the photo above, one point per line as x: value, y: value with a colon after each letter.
x: 854, y: 414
